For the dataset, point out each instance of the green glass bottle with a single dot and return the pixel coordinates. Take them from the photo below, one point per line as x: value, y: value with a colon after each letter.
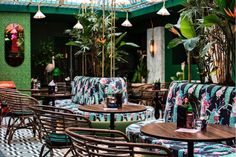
x: 189, y: 117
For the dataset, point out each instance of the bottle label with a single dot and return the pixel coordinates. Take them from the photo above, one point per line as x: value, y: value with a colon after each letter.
x: 189, y: 121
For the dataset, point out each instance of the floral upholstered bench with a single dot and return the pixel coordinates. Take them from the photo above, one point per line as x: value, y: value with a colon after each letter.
x: 217, y: 102
x: 93, y: 90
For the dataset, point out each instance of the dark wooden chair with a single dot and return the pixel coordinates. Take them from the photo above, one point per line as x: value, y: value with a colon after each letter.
x: 102, y: 142
x: 53, y: 121
x: 138, y: 94
x: 20, y: 114
x: 61, y: 87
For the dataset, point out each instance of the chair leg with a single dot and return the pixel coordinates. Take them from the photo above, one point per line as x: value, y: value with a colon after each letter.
x: 11, y: 133
x: 51, y: 153
x: 32, y: 124
x: 8, y: 127
x: 70, y: 150
x: 10, y: 130
x: 41, y: 151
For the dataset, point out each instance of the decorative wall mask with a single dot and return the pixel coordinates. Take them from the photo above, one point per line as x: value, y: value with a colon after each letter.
x: 14, y: 44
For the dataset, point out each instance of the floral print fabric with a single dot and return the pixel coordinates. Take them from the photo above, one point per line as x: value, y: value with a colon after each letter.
x: 93, y: 90
x: 217, y: 102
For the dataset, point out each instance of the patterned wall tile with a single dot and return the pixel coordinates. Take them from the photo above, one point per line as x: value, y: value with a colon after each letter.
x: 21, y: 75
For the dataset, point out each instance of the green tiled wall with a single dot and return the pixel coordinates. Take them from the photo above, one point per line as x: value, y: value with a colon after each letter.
x: 21, y: 75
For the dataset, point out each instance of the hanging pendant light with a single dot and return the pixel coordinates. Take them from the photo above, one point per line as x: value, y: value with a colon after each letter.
x: 78, y: 25
x: 163, y: 11
x: 126, y: 23
x: 39, y: 14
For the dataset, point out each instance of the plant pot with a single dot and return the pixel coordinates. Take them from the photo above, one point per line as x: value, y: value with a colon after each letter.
x: 181, y: 117
x: 51, y: 89
x: 118, y: 97
x: 157, y: 86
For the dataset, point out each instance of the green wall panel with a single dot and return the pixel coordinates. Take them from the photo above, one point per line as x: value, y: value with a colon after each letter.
x: 21, y: 75
x: 170, y: 68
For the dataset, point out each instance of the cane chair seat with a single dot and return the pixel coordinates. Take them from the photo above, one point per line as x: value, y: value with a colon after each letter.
x: 102, y: 142
x: 21, y: 116
x: 53, y: 121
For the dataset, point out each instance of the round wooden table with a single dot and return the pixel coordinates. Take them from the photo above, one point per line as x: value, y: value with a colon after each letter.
x: 34, y: 90
x: 213, y: 132
x: 126, y: 108
x: 52, y: 97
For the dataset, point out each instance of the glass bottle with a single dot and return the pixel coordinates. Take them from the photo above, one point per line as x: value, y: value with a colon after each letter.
x: 189, y: 117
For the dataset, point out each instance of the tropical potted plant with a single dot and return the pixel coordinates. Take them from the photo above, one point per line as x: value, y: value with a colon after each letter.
x: 206, y: 28
x: 141, y: 71
x: 94, y: 42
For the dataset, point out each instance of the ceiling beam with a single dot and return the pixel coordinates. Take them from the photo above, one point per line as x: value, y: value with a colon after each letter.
x: 155, y: 8
x: 73, y: 11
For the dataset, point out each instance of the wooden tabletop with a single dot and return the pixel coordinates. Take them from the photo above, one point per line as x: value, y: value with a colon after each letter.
x: 126, y: 108
x: 213, y: 132
x: 34, y: 90
x: 156, y: 90
x: 56, y: 95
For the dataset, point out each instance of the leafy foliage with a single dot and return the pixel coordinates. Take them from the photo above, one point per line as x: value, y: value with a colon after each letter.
x: 91, y: 41
x: 207, y: 29
x: 140, y: 71
x: 45, y: 54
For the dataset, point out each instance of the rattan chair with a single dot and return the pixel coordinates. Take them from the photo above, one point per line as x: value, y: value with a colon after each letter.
x: 61, y: 87
x: 3, y: 104
x: 102, y: 142
x: 20, y: 115
x: 53, y: 121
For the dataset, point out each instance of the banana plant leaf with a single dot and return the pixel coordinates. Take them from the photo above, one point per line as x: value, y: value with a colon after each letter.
x: 211, y: 20
x: 190, y: 44
x: 186, y: 28
x: 175, y: 42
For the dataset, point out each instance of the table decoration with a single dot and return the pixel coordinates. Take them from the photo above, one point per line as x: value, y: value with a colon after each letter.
x: 187, y: 111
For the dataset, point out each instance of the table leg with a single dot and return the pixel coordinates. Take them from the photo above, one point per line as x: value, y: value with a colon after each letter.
x: 53, y: 102
x: 112, y: 121
x: 158, y: 106
x: 190, y: 148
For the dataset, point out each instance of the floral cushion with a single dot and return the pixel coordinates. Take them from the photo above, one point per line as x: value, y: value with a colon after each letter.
x: 145, y: 115
x: 201, y: 149
x: 93, y: 90
x: 217, y: 102
x: 133, y: 130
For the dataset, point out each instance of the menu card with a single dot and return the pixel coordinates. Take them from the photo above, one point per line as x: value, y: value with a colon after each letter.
x: 107, y: 109
x: 187, y: 130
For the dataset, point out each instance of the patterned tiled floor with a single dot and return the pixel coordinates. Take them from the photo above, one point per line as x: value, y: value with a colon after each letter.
x: 23, y: 145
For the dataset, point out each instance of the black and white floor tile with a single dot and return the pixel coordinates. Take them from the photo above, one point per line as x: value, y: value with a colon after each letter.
x: 23, y: 145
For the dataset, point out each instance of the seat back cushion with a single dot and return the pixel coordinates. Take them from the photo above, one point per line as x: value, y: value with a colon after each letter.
x: 217, y: 102
x: 93, y: 90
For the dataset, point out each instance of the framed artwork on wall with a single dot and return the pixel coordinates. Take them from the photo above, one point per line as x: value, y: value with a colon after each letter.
x: 14, y: 44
